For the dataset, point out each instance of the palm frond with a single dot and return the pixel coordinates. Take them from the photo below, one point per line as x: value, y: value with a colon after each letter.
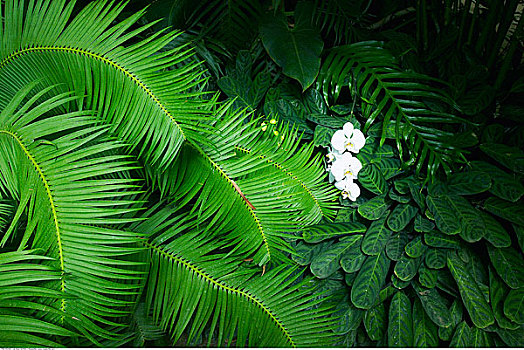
x: 6, y: 210
x: 414, y: 102
x: 216, y: 293
x: 62, y: 167
x: 157, y: 106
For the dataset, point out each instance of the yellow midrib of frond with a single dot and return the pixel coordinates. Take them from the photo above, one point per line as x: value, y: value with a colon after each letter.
x: 101, y: 58
x: 225, y: 287
x: 51, y: 203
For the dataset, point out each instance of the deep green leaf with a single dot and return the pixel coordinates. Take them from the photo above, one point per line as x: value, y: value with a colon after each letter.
x: 468, y: 183
x: 370, y: 280
x: 472, y: 225
x: 435, y: 258
x: 400, y: 321
x: 445, y: 333
x: 513, y: 212
x: 427, y: 277
x: 422, y: 224
x: 401, y: 216
x: 375, y: 322
x: 415, y: 248
x: 510, y: 157
x: 372, y: 179
x: 376, y: 237
x: 425, y: 332
x: 321, y: 232
x: 509, y: 265
x: 349, y: 317
x: 446, y: 218
x: 434, y: 305
x: 495, y: 233
x: 498, y: 292
x: 462, y: 336
x: 374, y: 208
x: 514, y: 305
x: 327, y: 261
x: 439, y: 240
x: 406, y: 268
x: 322, y: 136
x: 396, y: 244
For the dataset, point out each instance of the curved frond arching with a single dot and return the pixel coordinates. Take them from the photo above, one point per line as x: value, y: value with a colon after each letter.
x: 228, y: 299
x: 406, y: 98
x: 130, y: 87
x: 62, y: 167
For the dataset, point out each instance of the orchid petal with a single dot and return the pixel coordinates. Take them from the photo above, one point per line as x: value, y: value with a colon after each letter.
x: 348, y: 129
x: 355, y: 165
x: 338, y: 141
x: 358, y: 140
x: 353, y: 190
x: 338, y: 169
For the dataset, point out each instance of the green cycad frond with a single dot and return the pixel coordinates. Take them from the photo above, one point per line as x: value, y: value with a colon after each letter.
x: 218, y: 294
x: 151, y: 107
x: 6, y: 209
x: 259, y: 189
x: 62, y: 168
x: 410, y: 100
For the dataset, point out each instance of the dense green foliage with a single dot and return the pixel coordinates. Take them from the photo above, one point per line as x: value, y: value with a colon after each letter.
x: 162, y: 178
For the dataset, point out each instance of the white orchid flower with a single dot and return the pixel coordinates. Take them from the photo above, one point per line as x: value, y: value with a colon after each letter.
x: 351, y: 191
x: 348, y: 138
x: 333, y: 155
x: 345, y: 166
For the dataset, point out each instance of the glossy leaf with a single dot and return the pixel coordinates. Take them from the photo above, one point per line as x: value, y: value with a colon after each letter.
x: 495, y: 233
x: 400, y: 321
x: 514, y: 305
x: 389, y: 167
x: 415, y: 248
x: 505, y: 186
x: 372, y: 179
x: 352, y: 258
x: 406, y: 268
x: 439, y: 240
x: 401, y: 216
x: 425, y: 332
x: 376, y: 237
x: 422, y: 224
x: 427, y: 277
x: 445, y: 333
x: 509, y: 265
x: 472, y: 225
x: 473, y: 299
x: 349, y: 317
x: 374, y: 208
x: 510, y: 157
x: 370, y: 280
x: 468, y: 183
x: 445, y: 217
x: 375, y: 322
x: 398, y: 283
x: 434, y: 305
x: 321, y: 232
x: 396, y: 244
x: 327, y: 261
x: 462, y: 336
x: 435, y: 258
x: 498, y: 292
x: 512, y: 212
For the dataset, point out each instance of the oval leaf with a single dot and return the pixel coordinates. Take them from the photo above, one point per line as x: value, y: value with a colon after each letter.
x: 370, y: 280
x: 374, y: 208
x: 372, y: 179
x: 514, y: 305
x: 400, y: 323
x: 401, y: 216
x: 424, y: 331
x: 445, y: 217
x: 376, y: 237
x: 375, y: 321
x: 509, y: 265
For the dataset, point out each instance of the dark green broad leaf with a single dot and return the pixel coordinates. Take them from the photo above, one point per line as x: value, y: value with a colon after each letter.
x: 471, y: 223
x: 446, y: 283
x: 322, y: 136
x: 327, y: 261
x: 346, y: 214
x: 439, y: 240
x: 415, y: 248
x: 509, y: 265
x: 476, y: 267
x: 416, y: 193
x: 375, y: 322
x: 349, y: 278
x: 504, y: 185
x: 461, y: 337
x: 320, y: 232
x: 352, y: 258
x: 472, y: 297
x: 455, y: 310
x: 435, y: 258
x: 349, y: 317
x: 376, y: 237
x: 396, y: 244
x: 446, y: 218
x: 369, y: 281
x: 406, y: 268
x: 519, y: 231
x: 512, y: 338
x: 398, y: 283
x: 468, y: 183
x: 422, y: 224
x: 398, y: 197
x: 401, y: 216
x: 389, y: 167
x: 513, y: 212
x: 434, y: 305
x: 480, y: 338
x: 385, y: 294
x: 425, y: 332
x: 498, y: 292
x: 331, y: 122
x: 514, y: 305
x: 304, y: 252
x: 427, y: 277
x: 495, y: 233
x: 315, y: 103
x: 400, y: 322
x: 511, y: 157
x: 372, y: 152
x: 372, y: 179
x: 402, y: 185
x: 374, y: 208
x: 248, y: 93
x: 297, y: 50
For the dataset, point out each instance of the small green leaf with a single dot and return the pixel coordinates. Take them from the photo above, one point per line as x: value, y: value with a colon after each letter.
x: 427, y: 277
x: 401, y: 216
x: 472, y: 297
x: 511, y: 157
x: 415, y: 248
x: 349, y: 278
x: 297, y: 50
x: 326, y: 262
x: 376, y: 237
x: 371, y: 179
x: 424, y: 331
x: 461, y: 337
x: 349, y: 317
x: 370, y: 280
x: 509, y: 265
x: 514, y: 305
x: 374, y: 208
x: 398, y: 283
x: 402, y: 185
x: 416, y: 193
x: 504, y: 185
x: 389, y: 167
x: 495, y: 233
x: 512, y: 212
x: 397, y: 197
x: 320, y: 232
x: 498, y: 291
x: 455, y: 310
x: 375, y: 322
x: 512, y: 338
x: 304, y: 252
x: 479, y: 338
x: 519, y: 231
x: 400, y: 322
x: 435, y: 258
x: 468, y: 183
x: 445, y: 217
x: 472, y: 225
x: 439, y: 240
x: 406, y: 268
x: 352, y: 258
x: 396, y: 244
x: 434, y: 305
x: 322, y: 136
x: 422, y: 224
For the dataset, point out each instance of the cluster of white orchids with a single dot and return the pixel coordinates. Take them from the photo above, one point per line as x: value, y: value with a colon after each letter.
x: 343, y: 168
